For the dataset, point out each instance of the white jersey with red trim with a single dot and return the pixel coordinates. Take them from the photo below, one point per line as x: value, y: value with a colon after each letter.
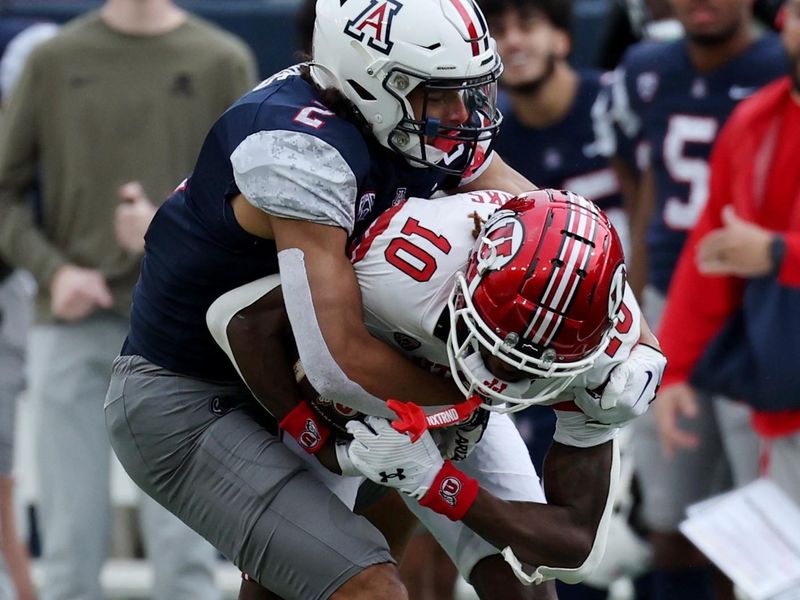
x: 406, y: 264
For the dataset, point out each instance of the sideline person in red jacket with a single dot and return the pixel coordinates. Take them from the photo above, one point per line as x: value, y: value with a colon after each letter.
x: 750, y: 228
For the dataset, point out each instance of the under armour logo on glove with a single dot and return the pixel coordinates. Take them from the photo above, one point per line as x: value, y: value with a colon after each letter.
x: 385, y: 477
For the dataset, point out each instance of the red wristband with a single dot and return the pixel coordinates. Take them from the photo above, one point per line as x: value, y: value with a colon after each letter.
x: 306, y: 427
x: 451, y: 493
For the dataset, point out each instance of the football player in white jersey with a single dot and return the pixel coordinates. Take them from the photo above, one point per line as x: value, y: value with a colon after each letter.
x: 540, y: 314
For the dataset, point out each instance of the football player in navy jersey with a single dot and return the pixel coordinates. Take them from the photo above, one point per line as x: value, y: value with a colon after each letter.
x: 399, y: 100
x: 671, y: 100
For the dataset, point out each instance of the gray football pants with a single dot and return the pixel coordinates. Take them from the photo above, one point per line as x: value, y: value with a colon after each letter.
x: 69, y: 369
x: 202, y: 449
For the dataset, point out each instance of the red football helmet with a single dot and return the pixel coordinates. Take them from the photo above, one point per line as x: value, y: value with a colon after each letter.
x: 542, y: 292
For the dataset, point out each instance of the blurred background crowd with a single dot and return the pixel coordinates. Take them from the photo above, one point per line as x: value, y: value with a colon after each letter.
x: 627, y: 102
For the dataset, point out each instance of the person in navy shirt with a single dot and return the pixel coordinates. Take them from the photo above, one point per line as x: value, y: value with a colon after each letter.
x: 671, y: 100
x: 398, y: 101
x: 557, y: 127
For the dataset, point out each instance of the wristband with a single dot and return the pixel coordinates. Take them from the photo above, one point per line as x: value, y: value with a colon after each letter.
x: 451, y: 493
x: 306, y: 427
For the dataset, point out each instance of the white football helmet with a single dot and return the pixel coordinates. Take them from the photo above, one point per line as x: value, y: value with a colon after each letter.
x: 377, y: 51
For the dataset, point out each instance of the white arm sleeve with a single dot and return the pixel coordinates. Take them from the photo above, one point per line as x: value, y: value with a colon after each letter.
x: 577, y: 574
x: 321, y: 369
x: 296, y: 176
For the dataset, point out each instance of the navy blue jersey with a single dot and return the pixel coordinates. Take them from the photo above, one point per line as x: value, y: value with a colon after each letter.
x: 678, y: 112
x: 290, y: 156
x: 570, y: 154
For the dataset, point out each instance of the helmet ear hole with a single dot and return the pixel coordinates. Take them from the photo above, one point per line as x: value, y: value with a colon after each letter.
x: 362, y: 92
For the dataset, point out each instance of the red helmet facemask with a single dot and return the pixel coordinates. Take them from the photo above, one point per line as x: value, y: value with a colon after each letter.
x: 542, y: 292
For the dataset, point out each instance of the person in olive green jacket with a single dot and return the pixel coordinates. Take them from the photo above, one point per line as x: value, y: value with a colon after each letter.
x: 123, y: 94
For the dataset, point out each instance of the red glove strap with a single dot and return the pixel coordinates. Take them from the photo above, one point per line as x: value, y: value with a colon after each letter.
x: 306, y: 427
x: 413, y: 420
x: 451, y: 493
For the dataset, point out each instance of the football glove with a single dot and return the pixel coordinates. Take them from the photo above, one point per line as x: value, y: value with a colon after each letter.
x: 630, y: 389
x: 389, y: 458
x: 417, y: 469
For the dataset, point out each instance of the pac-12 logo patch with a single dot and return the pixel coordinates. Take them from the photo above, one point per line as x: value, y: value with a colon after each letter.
x: 375, y: 24
x: 365, y: 205
x: 406, y: 342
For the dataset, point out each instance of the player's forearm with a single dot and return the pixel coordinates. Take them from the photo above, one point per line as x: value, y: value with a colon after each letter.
x: 537, y: 533
x: 500, y: 176
x: 342, y: 360
x: 386, y: 373
x: 562, y: 532
x: 647, y: 336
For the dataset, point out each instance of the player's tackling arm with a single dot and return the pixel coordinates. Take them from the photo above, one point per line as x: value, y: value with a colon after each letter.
x: 313, y: 261
x: 499, y: 176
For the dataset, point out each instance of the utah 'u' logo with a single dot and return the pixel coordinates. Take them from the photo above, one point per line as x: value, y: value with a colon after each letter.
x: 375, y: 23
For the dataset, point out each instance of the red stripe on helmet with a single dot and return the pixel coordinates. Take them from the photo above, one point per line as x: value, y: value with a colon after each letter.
x: 471, y: 29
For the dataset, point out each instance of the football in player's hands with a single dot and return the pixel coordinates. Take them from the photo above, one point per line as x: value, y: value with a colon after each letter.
x: 335, y: 414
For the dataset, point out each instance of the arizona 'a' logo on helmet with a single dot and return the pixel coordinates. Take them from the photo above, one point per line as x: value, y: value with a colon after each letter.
x: 378, y: 52
x: 375, y: 23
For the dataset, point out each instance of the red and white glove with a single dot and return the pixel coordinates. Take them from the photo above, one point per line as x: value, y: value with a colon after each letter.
x: 390, y: 458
